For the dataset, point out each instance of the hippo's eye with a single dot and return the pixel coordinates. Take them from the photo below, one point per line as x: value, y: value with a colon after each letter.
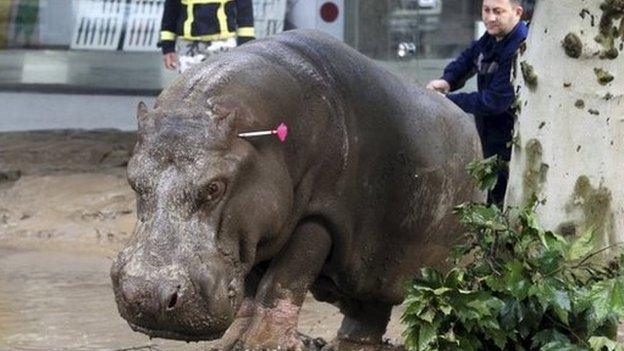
x: 214, y: 190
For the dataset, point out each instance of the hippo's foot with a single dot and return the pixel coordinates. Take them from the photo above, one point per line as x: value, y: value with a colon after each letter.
x: 232, y: 335
x: 312, y: 344
x: 237, y: 328
x: 362, y: 328
x: 268, y: 329
x: 339, y: 344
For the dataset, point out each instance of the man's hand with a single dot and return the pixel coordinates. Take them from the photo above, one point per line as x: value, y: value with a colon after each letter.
x: 171, y: 60
x: 439, y: 85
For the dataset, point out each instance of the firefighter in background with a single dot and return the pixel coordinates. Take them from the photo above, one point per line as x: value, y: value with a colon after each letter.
x: 192, y: 30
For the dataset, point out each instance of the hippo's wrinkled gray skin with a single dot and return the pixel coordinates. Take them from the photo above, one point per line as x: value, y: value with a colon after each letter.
x: 233, y: 232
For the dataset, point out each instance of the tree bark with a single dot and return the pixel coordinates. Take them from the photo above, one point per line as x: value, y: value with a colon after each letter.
x: 569, y: 135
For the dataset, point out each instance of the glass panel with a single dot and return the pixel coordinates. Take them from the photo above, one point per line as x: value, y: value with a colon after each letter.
x: 128, y: 25
x: 35, y: 23
x: 415, y: 38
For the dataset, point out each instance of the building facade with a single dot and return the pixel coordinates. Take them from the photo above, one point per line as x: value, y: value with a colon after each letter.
x: 108, y: 47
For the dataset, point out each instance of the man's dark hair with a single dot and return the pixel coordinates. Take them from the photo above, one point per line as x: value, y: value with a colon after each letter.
x: 517, y: 2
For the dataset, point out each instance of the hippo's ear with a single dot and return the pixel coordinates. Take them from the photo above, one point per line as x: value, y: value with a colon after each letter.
x: 141, y: 111
x: 227, y: 125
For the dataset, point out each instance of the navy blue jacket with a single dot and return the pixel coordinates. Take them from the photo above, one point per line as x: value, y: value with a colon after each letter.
x: 492, y: 61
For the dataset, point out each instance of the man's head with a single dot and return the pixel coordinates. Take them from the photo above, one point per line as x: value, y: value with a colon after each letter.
x: 501, y: 16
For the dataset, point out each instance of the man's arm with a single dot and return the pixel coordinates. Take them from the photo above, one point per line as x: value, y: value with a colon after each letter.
x: 462, y: 68
x: 168, y: 26
x: 497, y: 98
x: 244, y: 21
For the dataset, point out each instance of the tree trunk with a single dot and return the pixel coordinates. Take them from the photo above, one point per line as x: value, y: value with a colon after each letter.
x: 569, y: 136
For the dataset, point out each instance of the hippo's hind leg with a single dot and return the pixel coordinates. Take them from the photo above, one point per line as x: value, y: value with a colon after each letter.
x: 282, y: 290
x: 363, y: 327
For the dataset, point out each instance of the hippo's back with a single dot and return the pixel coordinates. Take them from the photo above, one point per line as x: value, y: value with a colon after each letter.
x: 401, y: 166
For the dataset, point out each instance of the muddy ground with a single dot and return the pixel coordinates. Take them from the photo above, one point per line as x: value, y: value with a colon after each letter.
x: 65, y: 210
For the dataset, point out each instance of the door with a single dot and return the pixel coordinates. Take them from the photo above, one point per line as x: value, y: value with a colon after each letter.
x: 415, y: 39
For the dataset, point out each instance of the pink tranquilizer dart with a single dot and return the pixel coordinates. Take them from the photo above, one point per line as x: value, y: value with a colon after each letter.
x: 281, y: 131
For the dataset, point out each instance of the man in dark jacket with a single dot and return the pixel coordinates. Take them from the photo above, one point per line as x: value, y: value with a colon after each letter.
x: 491, y: 58
x: 202, y: 27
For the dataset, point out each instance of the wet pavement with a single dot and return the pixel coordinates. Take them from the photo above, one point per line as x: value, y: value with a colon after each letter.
x: 64, y: 301
x: 60, y: 300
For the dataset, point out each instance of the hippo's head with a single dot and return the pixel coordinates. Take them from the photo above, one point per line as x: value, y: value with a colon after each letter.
x: 211, y: 208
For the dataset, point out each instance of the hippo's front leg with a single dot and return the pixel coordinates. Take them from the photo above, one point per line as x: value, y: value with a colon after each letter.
x: 283, y: 288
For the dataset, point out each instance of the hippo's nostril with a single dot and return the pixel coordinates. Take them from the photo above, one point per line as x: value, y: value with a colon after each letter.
x: 173, y: 299
x: 169, y: 297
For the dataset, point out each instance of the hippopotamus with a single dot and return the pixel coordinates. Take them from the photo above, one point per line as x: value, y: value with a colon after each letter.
x: 232, y: 232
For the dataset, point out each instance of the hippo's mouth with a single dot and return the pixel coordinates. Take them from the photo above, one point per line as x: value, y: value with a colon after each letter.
x: 168, y: 334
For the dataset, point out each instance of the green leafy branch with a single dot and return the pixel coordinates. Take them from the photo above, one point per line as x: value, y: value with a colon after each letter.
x: 485, y: 172
x: 516, y: 286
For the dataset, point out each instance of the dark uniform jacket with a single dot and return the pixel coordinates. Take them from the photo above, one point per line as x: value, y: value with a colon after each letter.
x: 492, y: 61
x: 206, y: 20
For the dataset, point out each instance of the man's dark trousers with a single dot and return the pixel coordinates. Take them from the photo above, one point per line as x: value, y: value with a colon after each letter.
x: 493, y: 144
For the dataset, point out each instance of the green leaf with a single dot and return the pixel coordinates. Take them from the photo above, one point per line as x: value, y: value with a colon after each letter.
x: 511, y: 314
x: 547, y: 336
x: 481, y: 217
x: 550, y: 297
x: 515, y: 281
x: 562, y: 305
x: 495, y: 283
x: 455, y: 278
x: 607, y: 297
x: 441, y: 291
x: 485, y: 172
x: 450, y: 337
x: 458, y: 251
x: 528, y: 217
x: 498, y: 337
x: 414, y: 306
x: 469, y: 342
x: 486, y: 304
x: 549, y: 262
x: 431, y: 276
x: 446, y: 309
x: 533, y: 316
x: 582, y: 246
x: 464, y: 311
x: 428, y: 315
x: 553, y: 241
x: 426, y: 336
x: 598, y: 343
x: 561, y: 346
x: 617, y: 296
